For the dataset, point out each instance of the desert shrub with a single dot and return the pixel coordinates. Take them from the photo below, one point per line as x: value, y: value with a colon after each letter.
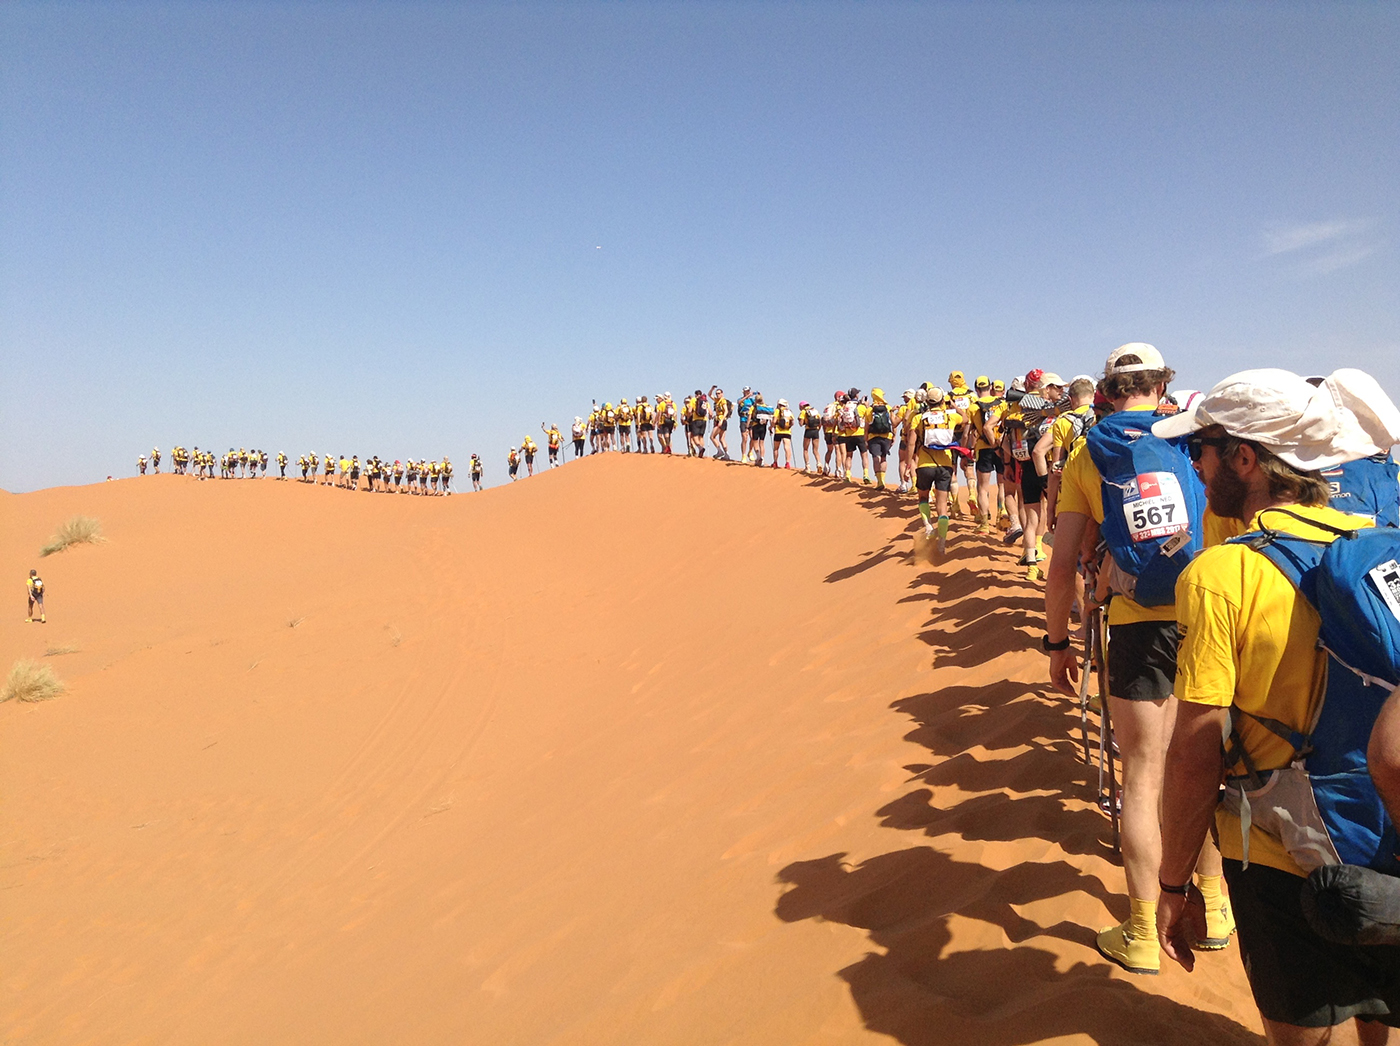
x: 31, y: 681
x: 80, y: 530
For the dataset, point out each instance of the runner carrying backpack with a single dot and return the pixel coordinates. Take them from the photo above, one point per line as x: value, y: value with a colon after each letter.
x: 1324, y: 807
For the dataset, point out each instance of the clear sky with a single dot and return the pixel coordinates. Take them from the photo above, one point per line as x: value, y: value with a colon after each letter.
x: 422, y: 228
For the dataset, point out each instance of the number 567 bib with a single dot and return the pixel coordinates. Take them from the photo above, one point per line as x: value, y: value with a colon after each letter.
x: 1154, y: 506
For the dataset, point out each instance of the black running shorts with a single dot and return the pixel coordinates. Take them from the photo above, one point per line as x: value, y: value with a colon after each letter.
x: 697, y: 427
x: 1142, y: 660
x: 1298, y: 977
x: 759, y: 432
x: 1032, y: 484
x: 880, y: 446
x: 811, y: 433
x: 938, y: 477
x: 989, y: 460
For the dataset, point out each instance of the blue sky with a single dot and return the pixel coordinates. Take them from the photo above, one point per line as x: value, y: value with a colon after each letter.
x: 416, y: 229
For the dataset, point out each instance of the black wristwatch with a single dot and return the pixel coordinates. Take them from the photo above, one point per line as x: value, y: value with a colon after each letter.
x: 1048, y: 646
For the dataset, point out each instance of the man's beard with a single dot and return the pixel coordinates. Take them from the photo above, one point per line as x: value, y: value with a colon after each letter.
x: 1227, y: 493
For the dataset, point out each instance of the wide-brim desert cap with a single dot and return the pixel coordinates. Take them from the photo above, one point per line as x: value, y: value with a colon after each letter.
x: 1148, y: 358
x: 1051, y: 378
x: 1348, y: 416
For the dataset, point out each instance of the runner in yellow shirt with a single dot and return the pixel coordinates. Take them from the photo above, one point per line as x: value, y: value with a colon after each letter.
x: 930, y: 438
x: 624, y: 426
x: 555, y: 439
x: 1251, y: 665
x: 960, y: 400
x: 1142, y: 648
x: 987, y: 413
x: 783, y: 421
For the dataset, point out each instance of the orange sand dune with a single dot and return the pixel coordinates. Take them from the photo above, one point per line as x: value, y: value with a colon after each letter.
x: 644, y: 750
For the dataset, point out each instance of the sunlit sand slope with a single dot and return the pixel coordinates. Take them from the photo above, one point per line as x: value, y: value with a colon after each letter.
x: 642, y: 750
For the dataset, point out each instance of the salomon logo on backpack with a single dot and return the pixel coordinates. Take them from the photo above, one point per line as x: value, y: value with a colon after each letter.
x: 1153, y: 503
x: 1324, y: 807
x: 1367, y: 487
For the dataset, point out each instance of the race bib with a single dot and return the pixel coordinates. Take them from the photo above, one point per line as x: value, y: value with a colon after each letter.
x: 1020, y: 450
x: 1154, y: 506
x: 962, y: 403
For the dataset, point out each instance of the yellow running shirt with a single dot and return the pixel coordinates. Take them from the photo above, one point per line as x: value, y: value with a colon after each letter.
x: 1248, y: 638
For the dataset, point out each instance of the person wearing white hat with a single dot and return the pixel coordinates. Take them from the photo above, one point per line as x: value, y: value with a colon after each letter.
x: 1141, y: 663
x: 1250, y: 667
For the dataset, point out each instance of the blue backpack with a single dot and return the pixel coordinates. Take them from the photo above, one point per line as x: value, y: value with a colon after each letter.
x: 1367, y: 487
x: 1153, y: 503
x: 1324, y: 808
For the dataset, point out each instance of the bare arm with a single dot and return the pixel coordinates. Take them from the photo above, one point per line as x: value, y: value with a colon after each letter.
x: 1041, y: 448
x: 1191, y: 783
x: 1383, y: 755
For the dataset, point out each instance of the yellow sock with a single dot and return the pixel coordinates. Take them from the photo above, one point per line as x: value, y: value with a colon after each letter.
x: 1209, y: 885
x: 1142, y: 923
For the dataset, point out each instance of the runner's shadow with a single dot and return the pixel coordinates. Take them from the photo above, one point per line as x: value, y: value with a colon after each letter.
x: 922, y: 989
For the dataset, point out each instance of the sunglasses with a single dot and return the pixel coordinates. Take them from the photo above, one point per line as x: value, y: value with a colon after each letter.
x: 1195, y: 445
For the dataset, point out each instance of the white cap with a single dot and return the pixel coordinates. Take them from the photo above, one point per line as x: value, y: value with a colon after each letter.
x: 1150, y: 359
x: 935, y: 395
x: 1051, y: 378
x: 1347, y: 417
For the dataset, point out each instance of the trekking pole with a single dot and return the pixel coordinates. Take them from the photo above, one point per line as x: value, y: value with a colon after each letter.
x: 1084, y: 671
x: 1106, y: 726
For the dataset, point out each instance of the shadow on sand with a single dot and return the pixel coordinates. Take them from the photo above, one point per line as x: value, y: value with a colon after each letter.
x: 1010, y: 754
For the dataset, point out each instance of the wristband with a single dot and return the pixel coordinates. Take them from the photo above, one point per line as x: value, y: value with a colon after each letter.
x: 1048, y: 646
x: 1179, y: 890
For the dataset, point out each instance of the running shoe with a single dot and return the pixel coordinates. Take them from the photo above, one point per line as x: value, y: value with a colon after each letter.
x: 1220, y: 924
x: 1136, y: 955
x: 1012, y: 536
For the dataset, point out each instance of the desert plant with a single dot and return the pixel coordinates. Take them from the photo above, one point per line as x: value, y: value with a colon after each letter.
x: 31, y: 681
x: 66, y: 648
x: 80, y: 530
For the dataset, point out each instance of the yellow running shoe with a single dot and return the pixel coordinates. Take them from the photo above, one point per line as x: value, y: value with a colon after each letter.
x: 1032, y: 573
x: 1136, y: 955
x: 1220, y: 924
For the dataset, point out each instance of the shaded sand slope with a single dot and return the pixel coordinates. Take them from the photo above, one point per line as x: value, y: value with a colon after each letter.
x: 643, y: 750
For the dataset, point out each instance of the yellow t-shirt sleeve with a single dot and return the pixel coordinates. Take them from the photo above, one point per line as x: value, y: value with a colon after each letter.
x: 1208, y: 614
x: 1080, y: 487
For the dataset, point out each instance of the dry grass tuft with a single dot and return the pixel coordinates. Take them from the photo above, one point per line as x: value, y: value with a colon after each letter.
x: 31, y: 681
x: 80, y: 530
x: 66, y: 648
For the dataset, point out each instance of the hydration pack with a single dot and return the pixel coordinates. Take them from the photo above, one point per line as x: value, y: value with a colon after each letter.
x: 37, y: 585
x: 830, y: 412
x: 1366, y: 487
x: 1153, y: 504
x: 849, y: 415
x: 1324, y: 807
x: 762, y: 414
x: 880, y: 424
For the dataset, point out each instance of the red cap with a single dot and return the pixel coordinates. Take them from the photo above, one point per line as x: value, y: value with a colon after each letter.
x: 1033, y: 377
x: 1100, y: 400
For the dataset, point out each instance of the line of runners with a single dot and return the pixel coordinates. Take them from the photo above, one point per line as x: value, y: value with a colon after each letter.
x: 1193, y: 539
